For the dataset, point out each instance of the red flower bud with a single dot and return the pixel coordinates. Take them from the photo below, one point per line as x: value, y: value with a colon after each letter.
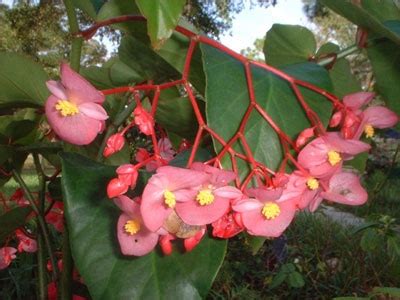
x: 227, y: 226
x: 116, y: 187
x: 304, y: 136
x: 192, y: 242
x: 336, y: 119
x: 128, y: 174
x: 144, y: 120
x: 114, y: 144
x: 165, y: 243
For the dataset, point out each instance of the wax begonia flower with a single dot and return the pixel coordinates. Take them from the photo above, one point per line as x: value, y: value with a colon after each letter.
x: 74, y: 109
x: 345, y: 188
x: 165, y: 189
x: 114, y: 144
x: 25, y: 243
x: 301, y: 188
x: 143, y: 120
x: 56, y: 216
x: 375, y: 117
x: 7, y: 254
x: 133, y: 236
x: 324, y: 155
x: 212, y: 199
x: 227, y: 226
x: 262, y: 215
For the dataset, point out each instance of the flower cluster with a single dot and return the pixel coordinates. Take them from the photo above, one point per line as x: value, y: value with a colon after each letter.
x: 182, y: 202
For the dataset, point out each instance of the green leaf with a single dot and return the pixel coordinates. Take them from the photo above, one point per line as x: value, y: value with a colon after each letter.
x: 91, y: 219
x: 352, y: 298
x: 175, y: 113
x: 144, y: 61
x: 12, y: 220
x: 162, y: 18
x: 22, y: 82
x: 385, y: 61
x: 278, y: 279
x: 255, y: 243
x: 393, y: 245
x: 368, y: 17
x: 295, y: 280
x: 227, y: 99
x: 54, y: 188
x: 91, y: 7
x: 288, y: 44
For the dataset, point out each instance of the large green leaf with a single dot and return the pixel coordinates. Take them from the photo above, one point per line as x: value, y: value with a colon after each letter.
x: 367, y: 17
x: 22, y: 82
x: 92, y: 218
x: 12, y: 220
x: 228, y: 98
x: 288, y: 44
x: 385, y: 60
x: 162, y: 18
x: 91, y: 7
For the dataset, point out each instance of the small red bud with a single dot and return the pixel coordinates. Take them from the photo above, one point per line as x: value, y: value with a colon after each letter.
x: 127, y: 174
x: 114, y: 144
x: 116, y: 187
x: 304, y: 136
x: 192, y: 242
x: 165, y: 243
x: 336, y: 119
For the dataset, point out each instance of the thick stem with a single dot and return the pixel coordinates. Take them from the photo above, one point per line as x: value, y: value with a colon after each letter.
x: 42, y: 224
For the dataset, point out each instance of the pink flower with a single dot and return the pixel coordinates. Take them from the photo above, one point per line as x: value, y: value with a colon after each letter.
x: 211, y: 200
x: 144, y: 120
x: 56, y: 216
x: 114, y: 144
x: 7, y: 254
x: 324, y: 155
x: 262, y: 214
x: 345, y: 188
x: 301, y: 188
x: 25, y: 243
x: 165, y: 189
x: 133, y: 236
x: 74, y: 109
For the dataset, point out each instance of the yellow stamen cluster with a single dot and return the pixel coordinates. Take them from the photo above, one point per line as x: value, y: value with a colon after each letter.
x: 369, y: 131
x: 271, y: 210
x: 334, y: 157
x: 169, y: 199
x: 67, y: 108
x: 205, y: 197
x: 132, y: 227
x: 312, y: 183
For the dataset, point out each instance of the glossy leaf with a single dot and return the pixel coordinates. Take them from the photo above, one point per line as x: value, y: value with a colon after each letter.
x: 12, y: 220
x: 91, y: 7
x: 385, y: 61
x: 22, y: 82
x: 92, y: 218
x: 227, y: 99
x: 364, y: 17
x: 162, y: 18
x: 288, y: 44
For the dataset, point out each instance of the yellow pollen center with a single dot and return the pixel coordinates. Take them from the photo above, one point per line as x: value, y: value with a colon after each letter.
x: 205, y: 197
x: 132, y: 227
x: 312, y: 183
x: 334, y: 157
x: 369, y: 131
x: 169, y: 199
x: 271, y: 210
x: 67, y: 108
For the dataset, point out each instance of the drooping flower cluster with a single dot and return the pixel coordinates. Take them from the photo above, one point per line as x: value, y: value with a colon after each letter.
x: 182, y: 202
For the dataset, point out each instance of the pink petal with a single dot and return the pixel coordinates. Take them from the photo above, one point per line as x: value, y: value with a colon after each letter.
x: 264, y: 194
x: 79, y: 89
x: 356, y: 100
x: 180, y: 178
x: 93, y: 110
x: 153, y: 209
x: 244, y: 205
x: 77, y: 129
x: 229, y: 192
x: 138, y: 244
x: 380, y: 117
x: 346, y: 146
x: 257, y: 224
x: 345, y: 188
x: 127, y: 205
x: 218, y: 177
x: 192, y: 213
x: 57, y: 89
